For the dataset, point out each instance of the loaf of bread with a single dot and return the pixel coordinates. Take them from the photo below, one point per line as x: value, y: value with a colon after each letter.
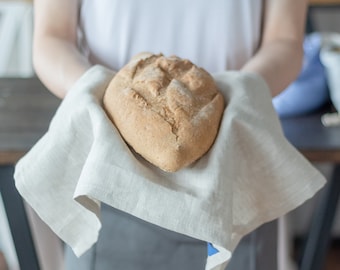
x: 166, y: 108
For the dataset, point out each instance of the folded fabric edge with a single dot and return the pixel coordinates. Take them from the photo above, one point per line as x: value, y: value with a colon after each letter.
x: 295, y: 200
x: 78, y: 223
x: 219, y: 256
x: 219, y: 260
x: 102, y: 74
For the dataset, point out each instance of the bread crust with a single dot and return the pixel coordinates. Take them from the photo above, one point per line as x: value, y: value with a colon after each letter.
x: 166, y: 108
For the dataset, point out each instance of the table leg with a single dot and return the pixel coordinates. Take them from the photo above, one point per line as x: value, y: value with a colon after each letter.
x: 18, y: 222
x: 316, y: 246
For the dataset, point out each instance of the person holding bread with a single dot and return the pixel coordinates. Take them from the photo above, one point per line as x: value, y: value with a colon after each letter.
x: 255, y: 36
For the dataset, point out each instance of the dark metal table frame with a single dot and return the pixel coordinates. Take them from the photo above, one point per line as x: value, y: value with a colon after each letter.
x: 317, y: 242
x: 18, y: 221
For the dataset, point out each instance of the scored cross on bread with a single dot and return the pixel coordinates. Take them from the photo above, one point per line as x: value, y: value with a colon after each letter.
x: 166, y: 108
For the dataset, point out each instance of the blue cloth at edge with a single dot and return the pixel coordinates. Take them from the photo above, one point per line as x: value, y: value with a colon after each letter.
x: 309, y: 91
x: 211, y: 250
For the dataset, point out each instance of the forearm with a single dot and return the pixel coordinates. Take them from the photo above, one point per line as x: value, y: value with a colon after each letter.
x: 279, y: 62
x: 58, y: 64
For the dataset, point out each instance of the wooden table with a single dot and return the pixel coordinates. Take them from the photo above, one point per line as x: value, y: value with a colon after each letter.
x: 26, y: 109
x: 316, y: 5
x: 324, y: 2
x: 316, y: 142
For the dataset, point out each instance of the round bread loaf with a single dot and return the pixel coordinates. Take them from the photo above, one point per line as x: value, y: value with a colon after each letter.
x: 166, y: 108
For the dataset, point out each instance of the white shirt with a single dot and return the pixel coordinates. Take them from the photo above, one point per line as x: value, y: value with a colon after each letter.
x: 214, y: 34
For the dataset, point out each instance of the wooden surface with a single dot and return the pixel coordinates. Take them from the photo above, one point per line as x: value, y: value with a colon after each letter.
x: 324, y: 2
x: 26, y: 108
x: 315, y: 141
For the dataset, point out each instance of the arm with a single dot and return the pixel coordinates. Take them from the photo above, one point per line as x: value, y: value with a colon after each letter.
x: 279, y: 58
x: 56, y: 59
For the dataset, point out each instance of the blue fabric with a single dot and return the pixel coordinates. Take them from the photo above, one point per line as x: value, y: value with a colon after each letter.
x: 211, y: 250
x: 309, y: 91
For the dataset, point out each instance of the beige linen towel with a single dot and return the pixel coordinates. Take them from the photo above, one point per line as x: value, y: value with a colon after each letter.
x: 250, y: 176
